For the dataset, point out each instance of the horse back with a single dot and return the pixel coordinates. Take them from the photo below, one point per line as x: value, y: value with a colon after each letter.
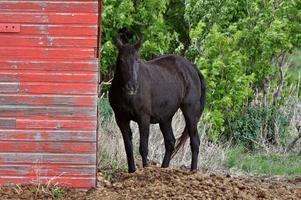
x: 176, y: 68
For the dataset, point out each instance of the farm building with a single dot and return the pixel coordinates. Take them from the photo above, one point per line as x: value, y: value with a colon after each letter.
x: 48, y: 91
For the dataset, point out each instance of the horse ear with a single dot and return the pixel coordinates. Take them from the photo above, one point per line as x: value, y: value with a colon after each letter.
x: 119, y: 43
x: 138, y: 44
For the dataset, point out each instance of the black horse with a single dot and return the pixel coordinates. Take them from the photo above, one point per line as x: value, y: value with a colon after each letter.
x: 151, y: 92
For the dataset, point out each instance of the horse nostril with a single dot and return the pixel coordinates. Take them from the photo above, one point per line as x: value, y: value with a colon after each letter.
x: 131, y: 88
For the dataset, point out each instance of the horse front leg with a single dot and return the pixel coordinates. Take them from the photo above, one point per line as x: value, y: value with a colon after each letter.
x: 144, y: 137
x: 169, y: 141
x: 124, y: 126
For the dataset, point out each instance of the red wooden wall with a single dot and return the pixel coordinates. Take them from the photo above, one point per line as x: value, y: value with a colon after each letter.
x: 48, y: 91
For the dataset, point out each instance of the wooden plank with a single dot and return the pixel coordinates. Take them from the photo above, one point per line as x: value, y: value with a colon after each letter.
x: 48, y: 147
x: 49, y: 6
x: 49, y: 65
x: 47, y: 41
x: 31, y: 158
x: 48, y: 100
x: 48, y: 88
x: 82, y: 1
x: 47, y: 135
x: 45, y: 53
x: 75, y: 182
x: 44, y: 76
x: 28, y: 111
x: 48, y: 92
x: 44, y: 123
x: 56, y: 30
x: 48, y: 18
x: 8, y: 123
x: 39, y: 170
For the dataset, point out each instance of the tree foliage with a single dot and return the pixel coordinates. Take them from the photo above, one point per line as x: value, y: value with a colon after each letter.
x: 143, y: 19
x: 243, y: 47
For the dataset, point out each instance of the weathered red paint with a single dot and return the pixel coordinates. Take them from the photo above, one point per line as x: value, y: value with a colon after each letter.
x: 48, y: 18
x: 42, y: 41
x: 45, y: 53
x: 9, y: 28
x: 47, y: 100
x: 48, y: 88
x: 48, y: 135
x: 50, y: 64
x: 57, y: 30
x: 48, y: 92
x: 68, y: 181
x: 46, y: 170
x: 73, y: 7
x: 32, y: 124
x: 40, y: 76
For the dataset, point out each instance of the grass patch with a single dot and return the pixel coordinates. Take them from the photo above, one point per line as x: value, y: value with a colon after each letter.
x: 109, y: 166
x: 57, y: 192
x: 261, y: 163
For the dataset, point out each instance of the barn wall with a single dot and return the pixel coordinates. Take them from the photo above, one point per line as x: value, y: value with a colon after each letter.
x: 48, y: 91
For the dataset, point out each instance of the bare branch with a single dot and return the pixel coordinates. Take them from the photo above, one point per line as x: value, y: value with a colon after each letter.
x: 293, y: 143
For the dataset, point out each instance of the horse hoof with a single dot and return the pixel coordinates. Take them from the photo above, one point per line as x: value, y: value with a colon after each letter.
x: 131, y: 170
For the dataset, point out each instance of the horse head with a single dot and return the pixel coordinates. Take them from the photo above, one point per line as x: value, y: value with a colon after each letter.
x: 127, y: 66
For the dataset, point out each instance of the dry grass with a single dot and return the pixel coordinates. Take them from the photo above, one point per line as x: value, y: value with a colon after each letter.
x: 212, y: 156
x: 111, y: 148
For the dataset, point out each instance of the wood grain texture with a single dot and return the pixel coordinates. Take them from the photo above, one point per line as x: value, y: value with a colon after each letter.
x: 49, y: 65
x: 47, y: 41
x: 76, y: 182
x: 43, y: 76
x: 29, y: 111
x: 47, y: 158
x: 48, y: 147
x: 48, y: 92
x: 48, y: 123
x: 48, y: 18
x: 48, y: 100
x: 52, y: 30
x: 38, y: 169
x: 48, y: 88
x: 49, y: 6
x: 48, y: 135
x: 45, y: 53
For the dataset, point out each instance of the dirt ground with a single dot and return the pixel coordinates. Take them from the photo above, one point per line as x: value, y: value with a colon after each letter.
x: 157, y: 183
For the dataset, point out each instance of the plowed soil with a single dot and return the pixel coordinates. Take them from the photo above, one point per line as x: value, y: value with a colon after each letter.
x: 157, y: 183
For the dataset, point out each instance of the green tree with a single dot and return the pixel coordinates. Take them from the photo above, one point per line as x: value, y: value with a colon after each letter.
x: 242, y: 47
x: 143, y: 19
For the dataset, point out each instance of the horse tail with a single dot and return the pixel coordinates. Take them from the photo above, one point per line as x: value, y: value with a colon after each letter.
x: 180, y: 142
x: 203, y: 91
x: 184, y: 136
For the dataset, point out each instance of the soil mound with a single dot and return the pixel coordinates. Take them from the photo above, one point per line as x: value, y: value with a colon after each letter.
x: 157, y: 183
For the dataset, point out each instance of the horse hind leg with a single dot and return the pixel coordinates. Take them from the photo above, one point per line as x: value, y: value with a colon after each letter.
x: 192, y: 115
x: 169, y: 141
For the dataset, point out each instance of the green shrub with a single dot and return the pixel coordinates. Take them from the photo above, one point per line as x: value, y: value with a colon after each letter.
x: 105, y: 109
x: 259, y: 126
